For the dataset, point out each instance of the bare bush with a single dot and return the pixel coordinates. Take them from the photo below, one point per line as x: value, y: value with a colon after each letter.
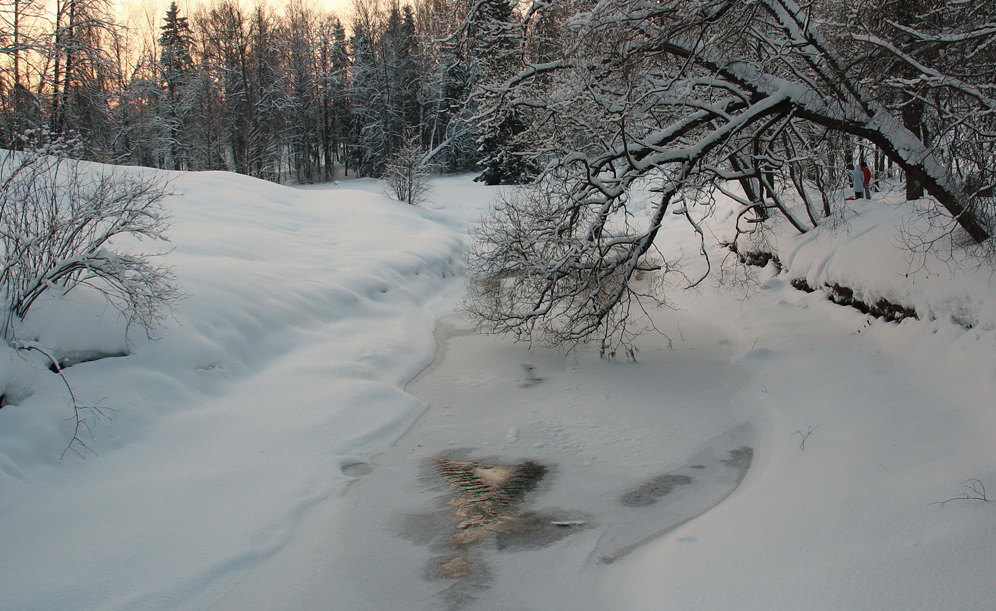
x: 58, y: 218
x: 975, y: 491
x: 407, y: 174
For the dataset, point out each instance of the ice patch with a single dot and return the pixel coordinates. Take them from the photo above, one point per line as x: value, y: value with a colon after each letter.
x: 660, y: 504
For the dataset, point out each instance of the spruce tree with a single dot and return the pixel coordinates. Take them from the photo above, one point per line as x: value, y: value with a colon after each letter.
x: 496, y: 43
x: 176, y: 68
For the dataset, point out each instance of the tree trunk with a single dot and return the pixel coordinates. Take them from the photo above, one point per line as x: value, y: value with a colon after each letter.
x: 912, y: 120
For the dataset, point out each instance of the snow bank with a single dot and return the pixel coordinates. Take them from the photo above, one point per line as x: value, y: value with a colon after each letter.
x: 865, y: 428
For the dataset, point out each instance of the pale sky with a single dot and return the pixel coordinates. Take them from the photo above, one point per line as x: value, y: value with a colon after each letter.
x: 340, y: 7
x: 145, y: 17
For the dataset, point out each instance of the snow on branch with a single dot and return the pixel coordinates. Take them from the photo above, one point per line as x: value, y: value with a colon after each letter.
x: 688, y: 94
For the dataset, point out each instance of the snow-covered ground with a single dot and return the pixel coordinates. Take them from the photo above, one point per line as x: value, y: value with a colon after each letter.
x: 266, y: 452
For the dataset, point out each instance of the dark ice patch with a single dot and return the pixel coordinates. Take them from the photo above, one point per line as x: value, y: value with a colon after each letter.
x: 654, y: 488
x: 662, y: 503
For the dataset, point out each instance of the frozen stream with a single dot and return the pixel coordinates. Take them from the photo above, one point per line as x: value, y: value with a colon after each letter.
x: 626, y: 455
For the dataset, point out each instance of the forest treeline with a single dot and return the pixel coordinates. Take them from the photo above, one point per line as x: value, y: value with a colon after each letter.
x: 288, y: 93
x: 292, y: 93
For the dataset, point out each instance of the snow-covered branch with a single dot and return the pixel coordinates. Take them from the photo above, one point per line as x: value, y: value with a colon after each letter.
x: 685, y: 94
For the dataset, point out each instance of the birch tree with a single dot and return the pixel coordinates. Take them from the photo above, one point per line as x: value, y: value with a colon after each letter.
x: 407, y: 174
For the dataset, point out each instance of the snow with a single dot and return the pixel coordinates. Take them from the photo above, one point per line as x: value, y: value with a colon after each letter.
x: 269, y: 451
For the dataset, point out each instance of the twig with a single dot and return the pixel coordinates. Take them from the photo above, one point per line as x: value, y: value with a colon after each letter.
x: 976, y: 492
x: 76, y: 443
x: 804, y: 436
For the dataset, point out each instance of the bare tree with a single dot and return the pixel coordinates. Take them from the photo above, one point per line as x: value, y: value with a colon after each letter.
x: 19, y: 39
x: 57, y: 220
x: 81, y: 71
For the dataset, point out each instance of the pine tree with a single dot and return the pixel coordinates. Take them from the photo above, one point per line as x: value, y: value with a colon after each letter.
x: 176, y: 70
x: 368, y: 95
x: 331, y: 81
x: 175, y: 42
x: 497, y: 45
x: 399, y: 51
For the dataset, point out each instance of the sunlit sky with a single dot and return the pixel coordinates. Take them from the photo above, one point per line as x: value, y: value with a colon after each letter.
x: 158, y: 7
x: 145, y: 17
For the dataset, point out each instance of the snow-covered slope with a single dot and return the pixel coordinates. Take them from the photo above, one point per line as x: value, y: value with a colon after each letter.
x: 305, y: 313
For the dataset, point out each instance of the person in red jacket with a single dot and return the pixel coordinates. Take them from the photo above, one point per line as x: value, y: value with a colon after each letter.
x: 868, y: 178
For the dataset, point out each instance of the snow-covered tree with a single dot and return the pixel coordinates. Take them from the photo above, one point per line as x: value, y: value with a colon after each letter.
x: 448, y: 129
x: 367, y: 94
x: 933, y: 64
x: 80, y: 71
x: 402, y: 63
x: 332, y: 60
x: 177, y: 71
x: 303, y: 132
x: 407, y: 173
x: 496, y: 43
x: 269, y: 95
x: 137, y: 111
x: 19, y: 39
x: 688, y: 95
x: 241, y: 57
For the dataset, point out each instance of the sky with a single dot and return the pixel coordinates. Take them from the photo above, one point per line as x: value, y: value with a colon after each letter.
x: 147, y: 15
x: 341, y: 7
